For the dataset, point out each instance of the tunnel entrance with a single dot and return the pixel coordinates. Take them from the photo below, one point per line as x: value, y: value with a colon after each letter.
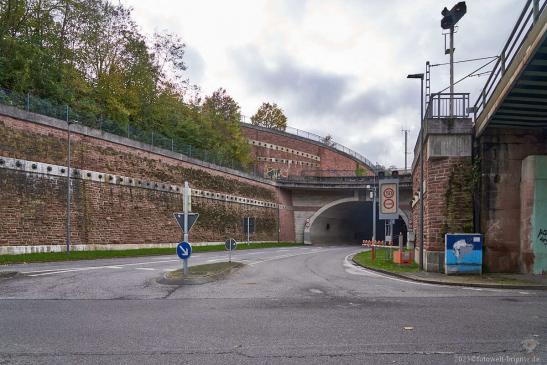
x: 351, y: 223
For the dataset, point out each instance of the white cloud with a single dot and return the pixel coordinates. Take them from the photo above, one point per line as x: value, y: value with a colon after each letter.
x: 336, y: 67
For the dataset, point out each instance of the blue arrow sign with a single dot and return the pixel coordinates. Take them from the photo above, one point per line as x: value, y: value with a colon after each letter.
x: 184, y: 250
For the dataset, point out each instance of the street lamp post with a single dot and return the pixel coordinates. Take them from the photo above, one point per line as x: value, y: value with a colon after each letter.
x: 374, y: 208
x: 421, y: 77
x: 69, y: 185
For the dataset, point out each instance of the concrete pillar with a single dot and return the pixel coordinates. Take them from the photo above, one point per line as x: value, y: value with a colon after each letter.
x: 533, y: 215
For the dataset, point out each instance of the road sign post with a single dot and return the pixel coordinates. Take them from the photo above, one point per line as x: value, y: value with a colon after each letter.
x: 230, y: 245
x: 185, y: 220
x: 185, y: 198
x: 248, y: 227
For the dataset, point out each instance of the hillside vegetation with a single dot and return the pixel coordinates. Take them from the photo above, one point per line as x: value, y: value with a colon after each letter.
x: 90, y: 55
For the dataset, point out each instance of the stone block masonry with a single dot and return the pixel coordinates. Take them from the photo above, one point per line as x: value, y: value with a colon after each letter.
x: 110, y: 210
x: 125, y: 192
x: 292, y: 155
x: 448, y: 186
x: 505, y: 215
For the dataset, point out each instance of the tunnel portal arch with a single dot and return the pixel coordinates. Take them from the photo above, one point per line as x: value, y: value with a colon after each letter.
x: 347, y: 220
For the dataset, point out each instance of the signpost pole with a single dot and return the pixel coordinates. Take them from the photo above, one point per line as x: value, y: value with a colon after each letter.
x: 185, y: 195
x: 248, y: 223
x: 374, y: 210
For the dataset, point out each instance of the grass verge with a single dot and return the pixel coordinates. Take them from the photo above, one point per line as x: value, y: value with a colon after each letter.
x: 92, y: 255
x: 383, y: 262
x: 204, y: 270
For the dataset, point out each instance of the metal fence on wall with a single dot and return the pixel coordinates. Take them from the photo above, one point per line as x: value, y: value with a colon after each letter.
x: 48, y: 108
x: 324, y: 140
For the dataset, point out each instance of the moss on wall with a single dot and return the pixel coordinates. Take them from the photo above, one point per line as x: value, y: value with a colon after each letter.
x: 459, y: 199
x: 86, y: 154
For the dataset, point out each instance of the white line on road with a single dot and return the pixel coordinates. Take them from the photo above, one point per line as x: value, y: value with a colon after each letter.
x: 153, y: 262
x: 62, y: 271
x: 286, y: 256
x: 358, y: 270
x: 145, y: 268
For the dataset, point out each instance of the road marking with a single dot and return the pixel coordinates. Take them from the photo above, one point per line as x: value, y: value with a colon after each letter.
x: 145, y: 268
x: 359, y: 270
x: 286, y: 256
x: 87, y: 268
x: 152, y: 262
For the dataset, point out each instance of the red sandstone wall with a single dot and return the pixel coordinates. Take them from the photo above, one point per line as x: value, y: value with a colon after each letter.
x: 33, y: 207
x: 445, y: 185
x: 502, y: 152
x: 331, y: 163
x: 442, y: 175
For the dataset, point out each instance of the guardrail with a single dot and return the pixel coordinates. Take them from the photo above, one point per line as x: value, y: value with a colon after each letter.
x: 527, y: 19
x: 439, y: 105
x: 325, y: 180
x: 324, y: 140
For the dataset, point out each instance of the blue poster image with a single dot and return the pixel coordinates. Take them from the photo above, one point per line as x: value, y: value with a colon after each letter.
x: 463, y: 253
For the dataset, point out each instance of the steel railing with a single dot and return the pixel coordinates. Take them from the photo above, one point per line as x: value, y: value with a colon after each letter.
x: 324, y: 140
x: 48, y: 108
x: 527, y: 19
x: 438, y: 105
x: 34, y: 104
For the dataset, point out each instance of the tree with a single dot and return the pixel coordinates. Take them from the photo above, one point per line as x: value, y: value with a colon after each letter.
x: 91, y: 55
x: 220, y: 114
x: 270, y: 116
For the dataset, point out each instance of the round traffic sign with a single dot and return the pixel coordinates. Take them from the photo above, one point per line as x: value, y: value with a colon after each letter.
x: 389, y: 193
x: 184, y: 250
x: 230, y: 244
x: 389, y: 203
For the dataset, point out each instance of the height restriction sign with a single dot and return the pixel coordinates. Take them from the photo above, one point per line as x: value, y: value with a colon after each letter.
x: 389, y: 199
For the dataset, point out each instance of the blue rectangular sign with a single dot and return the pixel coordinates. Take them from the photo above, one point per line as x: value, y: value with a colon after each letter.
x: 463, y: 253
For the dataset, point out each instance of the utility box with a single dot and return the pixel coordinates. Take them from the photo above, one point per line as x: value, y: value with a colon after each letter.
x: 463, y: 253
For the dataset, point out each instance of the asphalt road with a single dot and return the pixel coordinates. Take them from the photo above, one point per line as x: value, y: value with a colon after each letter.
x: 301, y: 305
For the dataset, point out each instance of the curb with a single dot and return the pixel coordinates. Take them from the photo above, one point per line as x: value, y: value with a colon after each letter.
x: 199, y: 279
x: 472, y: 285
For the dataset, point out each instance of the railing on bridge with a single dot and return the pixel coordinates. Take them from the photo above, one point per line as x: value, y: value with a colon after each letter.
x: 340, y: 178
x: 325, y: 179
x: 438, y: 105
x: 344, y: 182
x: 324, y: 140
x: 528, y: 17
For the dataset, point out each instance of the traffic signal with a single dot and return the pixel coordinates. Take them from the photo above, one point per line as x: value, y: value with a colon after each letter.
x: 450, y: 18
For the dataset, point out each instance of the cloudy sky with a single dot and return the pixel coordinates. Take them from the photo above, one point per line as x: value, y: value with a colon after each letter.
x: 336, y: 67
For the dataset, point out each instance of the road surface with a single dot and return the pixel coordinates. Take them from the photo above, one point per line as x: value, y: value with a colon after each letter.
x: 296, y: 305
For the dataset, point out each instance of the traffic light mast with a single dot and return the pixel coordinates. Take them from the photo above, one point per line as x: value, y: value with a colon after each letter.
x: 449, y: 20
